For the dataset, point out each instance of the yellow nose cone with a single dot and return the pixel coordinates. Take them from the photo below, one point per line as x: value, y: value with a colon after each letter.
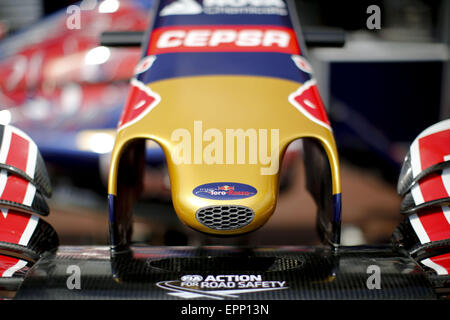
x: 224, y: 138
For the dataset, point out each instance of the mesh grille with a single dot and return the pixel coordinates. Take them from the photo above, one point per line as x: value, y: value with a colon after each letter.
x: 225, y: 217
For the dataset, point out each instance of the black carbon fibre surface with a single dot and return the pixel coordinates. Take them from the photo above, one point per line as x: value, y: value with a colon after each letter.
x: 408, y: 205
x: 44, y: 238
x: 404, y: 235
x: 42, y: 179
x: 10, y: 284
x: 406, y: 179
x: 405, y: 238
x: 266, y: 273
x: 39, y: 206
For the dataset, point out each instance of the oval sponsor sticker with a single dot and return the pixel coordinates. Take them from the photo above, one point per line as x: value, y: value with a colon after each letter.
x: 224, y: 191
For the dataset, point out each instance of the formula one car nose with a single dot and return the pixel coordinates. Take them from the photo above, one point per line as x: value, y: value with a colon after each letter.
x: 224, y: 87
x: 224, y: 98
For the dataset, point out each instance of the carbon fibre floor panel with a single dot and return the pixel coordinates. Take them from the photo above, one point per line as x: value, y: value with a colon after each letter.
x: 230, y: 273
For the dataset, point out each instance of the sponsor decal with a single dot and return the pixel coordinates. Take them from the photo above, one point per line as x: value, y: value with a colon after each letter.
x: 141, y: 100
x: 219, y: 286
x: 225, y: 7
x: 302, y: 64
x: 182, y: 7
x: 224, y: 191
x: 232, y: 38
x: 145, y: 64
x: 307, y: 100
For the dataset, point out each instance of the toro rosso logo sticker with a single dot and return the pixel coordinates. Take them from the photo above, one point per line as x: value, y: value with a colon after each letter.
x: 224, y: 191
x: 141, y: 100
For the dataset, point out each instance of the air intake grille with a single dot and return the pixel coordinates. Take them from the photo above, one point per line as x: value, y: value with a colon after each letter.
x: 225, y: 217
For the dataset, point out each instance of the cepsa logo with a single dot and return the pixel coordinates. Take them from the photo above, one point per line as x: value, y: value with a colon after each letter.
x: 223, y: 39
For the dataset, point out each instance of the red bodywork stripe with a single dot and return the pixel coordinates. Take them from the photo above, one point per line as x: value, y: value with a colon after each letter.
x: 435, y: 224
x: 443, y: 261
x: 15, y: 189
x: 13, y: 226
x: 18, y: 152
